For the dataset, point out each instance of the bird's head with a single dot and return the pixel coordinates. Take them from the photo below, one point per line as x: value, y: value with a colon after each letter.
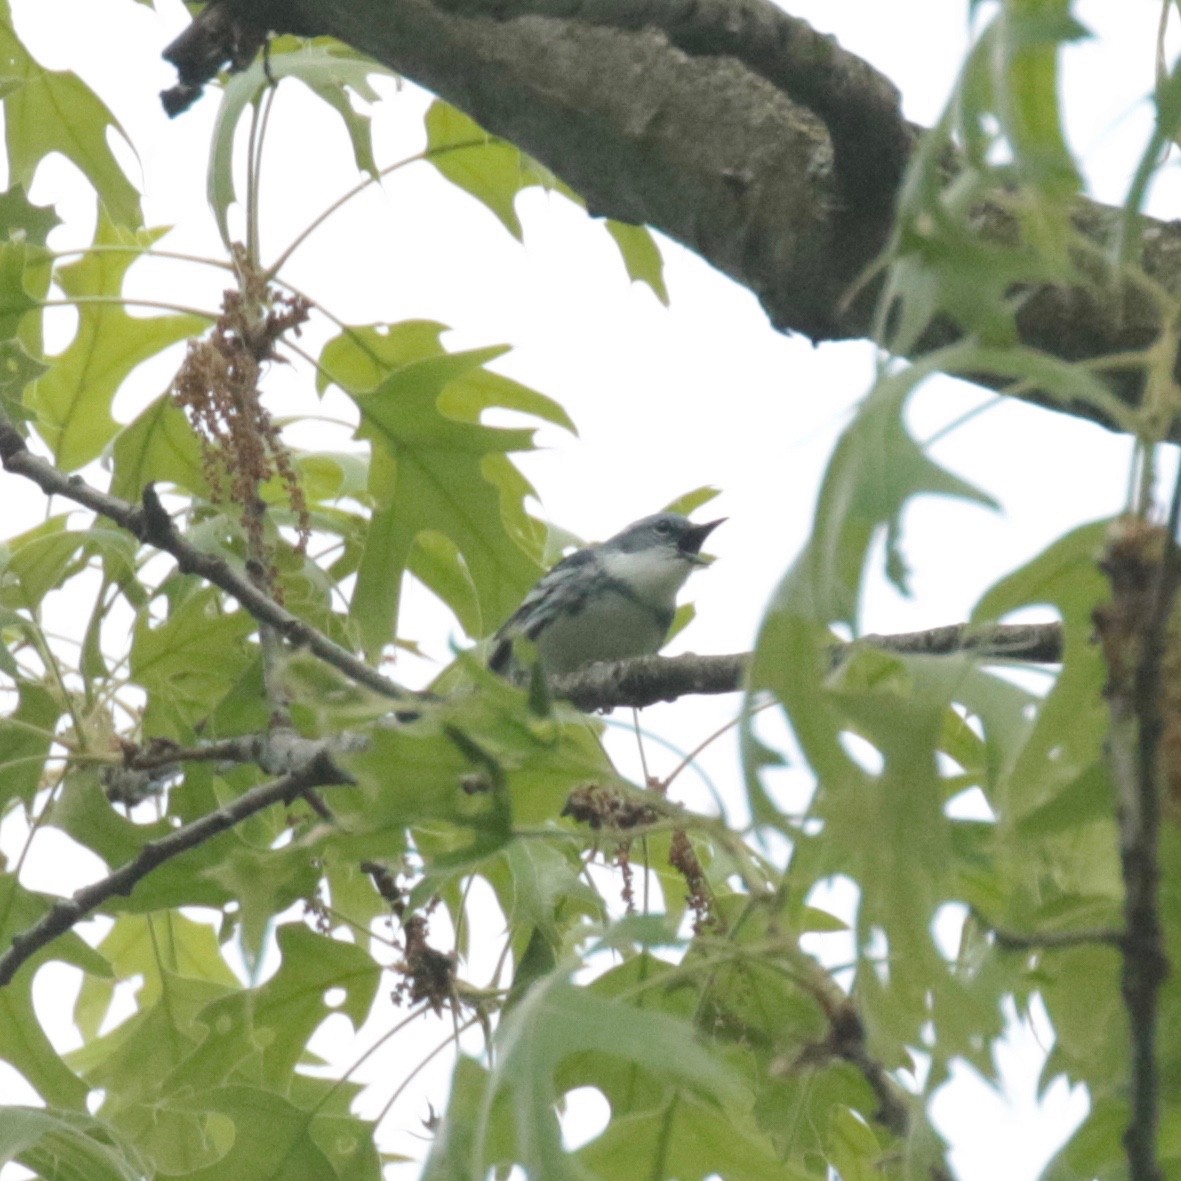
x: 668, y: 535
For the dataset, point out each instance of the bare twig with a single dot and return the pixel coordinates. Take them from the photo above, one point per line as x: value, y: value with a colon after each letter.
x: 1037, y: 643
x: 1052, y: 940
x: 645, y: 680
x: 320, y: 771
x: 162, y: 752
x: 151, y: 524
x: 846, y: 1040
x: 276, y: 751
x: 144, y: 770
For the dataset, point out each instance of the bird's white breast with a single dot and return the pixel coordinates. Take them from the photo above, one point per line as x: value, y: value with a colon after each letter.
x: 615, y: 625
x: 654, y: 576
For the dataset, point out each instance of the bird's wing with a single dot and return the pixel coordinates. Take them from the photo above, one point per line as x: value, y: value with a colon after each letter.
x: 557, y: 589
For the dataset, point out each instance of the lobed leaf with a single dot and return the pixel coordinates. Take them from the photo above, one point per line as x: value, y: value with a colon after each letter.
x: 435, y: 469
x: 494, y: 172
x: 62, y: 1145
x: 328, y: 70
x: 72, y: 400
x: 55, y: 111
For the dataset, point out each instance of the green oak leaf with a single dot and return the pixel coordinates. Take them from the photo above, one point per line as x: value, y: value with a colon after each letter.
x: 159, y: 445
x: 265, y: 882
x: 15, y: 301
x: 67, y: 1146
x: 273, y: 1138
x: 46, y: 556
x: 192, y: 659
x: 55, y: 111
x: 26, y: 734
x: 435, y: 468
x: 23, y: 1042
x: 329, y: 71
x: 17, y: 370
x: 689, y: 1139
x: 156, y: 947
x: 555, y: 1020
x: 494, y: 171
x: 271, y: 1024
x: 19, y: 217
x: 73, y: 400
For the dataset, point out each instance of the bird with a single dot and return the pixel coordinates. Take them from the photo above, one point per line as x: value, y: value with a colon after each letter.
x: 609, y: 601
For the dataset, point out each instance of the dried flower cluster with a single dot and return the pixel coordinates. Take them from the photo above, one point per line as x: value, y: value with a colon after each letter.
x: 427, y: 973
x: 217, y: 386
x: 683, y: 858
x: 604, y: 808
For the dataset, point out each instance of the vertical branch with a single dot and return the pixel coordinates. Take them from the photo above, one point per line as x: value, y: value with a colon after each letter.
x: 1144, y: 566
x: 1145, y: 964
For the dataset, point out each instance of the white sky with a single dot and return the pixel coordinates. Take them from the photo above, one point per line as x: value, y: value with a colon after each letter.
x: 665, y: 399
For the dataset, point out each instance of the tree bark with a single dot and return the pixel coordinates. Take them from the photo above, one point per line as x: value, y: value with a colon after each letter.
x: 734, y: 129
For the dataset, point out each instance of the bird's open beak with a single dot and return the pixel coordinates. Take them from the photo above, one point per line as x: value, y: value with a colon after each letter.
x: 694, y: 539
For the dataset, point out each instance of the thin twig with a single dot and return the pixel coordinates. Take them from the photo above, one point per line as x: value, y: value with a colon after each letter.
x: 123, y: 301
x: 276, y: 751
x: 150, y: 523
x: 417, y: 158
x: 320, y: 771
x: 1055, y: 940
x: 248, y: 748
x: 1035, y: 643
x: 847, y: 1040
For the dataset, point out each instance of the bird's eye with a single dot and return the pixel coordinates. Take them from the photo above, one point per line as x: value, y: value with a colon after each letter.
x: 664, y: 528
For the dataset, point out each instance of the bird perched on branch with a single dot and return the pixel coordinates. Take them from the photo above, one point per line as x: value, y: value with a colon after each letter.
x: 609, y: 601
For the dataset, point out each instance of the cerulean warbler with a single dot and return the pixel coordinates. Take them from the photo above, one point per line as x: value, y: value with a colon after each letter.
x: 609, y: 601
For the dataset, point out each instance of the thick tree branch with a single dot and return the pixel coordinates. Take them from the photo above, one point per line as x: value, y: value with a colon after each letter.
x: 860, y: 108
x: 649, y: 679
x: 320, y: 771
x: 716, y: 122
x: 151, y: 524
